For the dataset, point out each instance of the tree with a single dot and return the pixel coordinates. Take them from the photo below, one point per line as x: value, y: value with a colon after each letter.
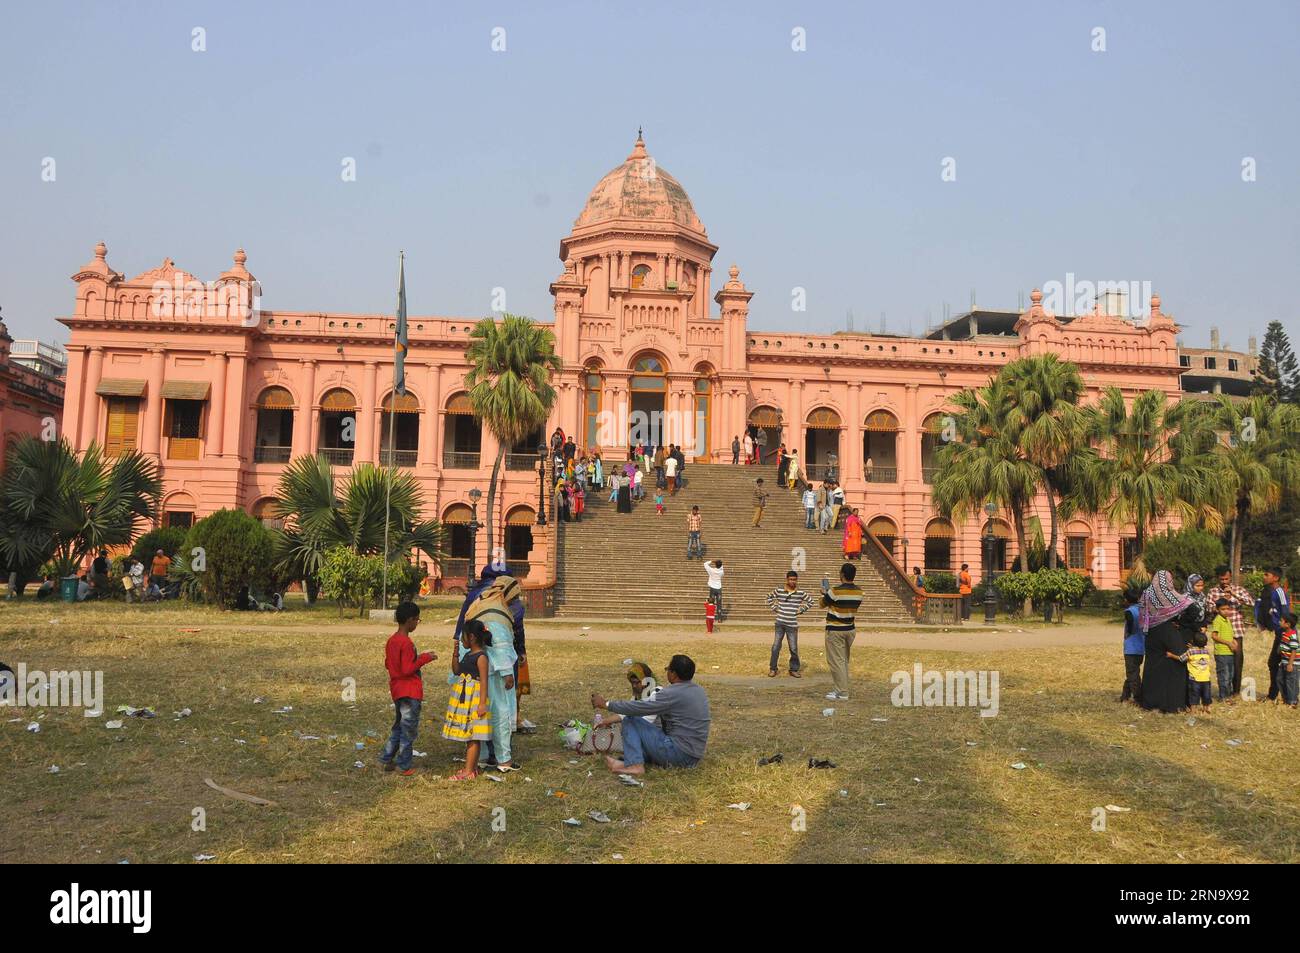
x: 225, y: 552
x: 1277, y: 373
x: 1049, y: 426
x: 355, y: 580
x: 1257, y: 461
x: 57, y: 506
x: 319, y: 516
x: 509, y: 385
x: 984, y: 462
x: 1146, y: 462
x: 1185, y: 552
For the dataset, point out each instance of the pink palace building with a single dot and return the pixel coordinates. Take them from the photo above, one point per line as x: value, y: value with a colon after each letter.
x: 223, y: 394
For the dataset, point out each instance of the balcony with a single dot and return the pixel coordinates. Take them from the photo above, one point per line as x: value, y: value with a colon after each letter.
x: 336, y: 456
x: 398, y: 458
x: 460, y: 460
x: 271, y: 454
x: 883, y: 475
x: 521, y: 461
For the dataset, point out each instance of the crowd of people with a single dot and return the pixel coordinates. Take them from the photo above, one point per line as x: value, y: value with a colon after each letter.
x: 579, y: 473
x: 1178, y: 642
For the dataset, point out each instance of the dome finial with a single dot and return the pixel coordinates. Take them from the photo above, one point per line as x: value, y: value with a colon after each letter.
x: 638, y: 150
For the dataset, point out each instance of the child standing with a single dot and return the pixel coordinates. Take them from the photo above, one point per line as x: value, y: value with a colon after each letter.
x: 1289, y: 654
x: 407, y: 688
x: 1198, y: 672
x: 1135, y: 648
x: 468, y: 718
x: 1225, y: 646
x: 659, y: 502
x: 638, y: 493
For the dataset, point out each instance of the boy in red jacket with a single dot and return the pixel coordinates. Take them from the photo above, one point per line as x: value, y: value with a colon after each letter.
x: 407, y: 687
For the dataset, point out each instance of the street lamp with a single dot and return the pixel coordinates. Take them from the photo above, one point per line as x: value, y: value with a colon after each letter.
x: 990, y: 600
x: 542, y: 450
x: 904, y: 542
x: 474, y: 495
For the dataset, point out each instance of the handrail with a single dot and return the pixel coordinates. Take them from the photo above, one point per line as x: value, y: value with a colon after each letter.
x: 540, y: 596
x: 949, y: 603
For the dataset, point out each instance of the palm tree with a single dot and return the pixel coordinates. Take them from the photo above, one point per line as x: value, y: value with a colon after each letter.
x: 57, y: 506
x: 509, y: 385
x: 1145, y: 462
x: 985, y: 461
x: 318, y: 515
x: 1258, y: 460
x: 1049, y: 424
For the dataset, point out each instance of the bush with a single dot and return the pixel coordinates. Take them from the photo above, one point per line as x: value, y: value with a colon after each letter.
x: 940, y: 582
x: 1185, y: 552
x: 235, y: 550
x: 169, y: 539
x: 356, y: 581
x: 1043, y: 587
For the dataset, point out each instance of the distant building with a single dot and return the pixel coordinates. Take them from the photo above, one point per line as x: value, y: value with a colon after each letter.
x: 48, y: 359
x: 1218, y: 370
x: 31, y: 397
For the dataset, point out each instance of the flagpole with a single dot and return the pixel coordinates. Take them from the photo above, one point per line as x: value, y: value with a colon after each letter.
x: 392, y: 414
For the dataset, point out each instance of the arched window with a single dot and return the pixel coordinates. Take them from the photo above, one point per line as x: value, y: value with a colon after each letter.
x: 1078, y: 546
x: 456, y: 538
x: 462, y: 435
x: 703, y: 419
x: 266, y: 510
x: 885, y: 530
x: 400, y: 416
x: 338, y: 426
x: 639, y: 275
x: 274, y: 440
x: 880, y: 446
x: 821, y: 450
x: 931, y: 441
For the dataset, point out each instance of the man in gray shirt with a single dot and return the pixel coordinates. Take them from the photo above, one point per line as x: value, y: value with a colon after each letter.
x: 678, y: 741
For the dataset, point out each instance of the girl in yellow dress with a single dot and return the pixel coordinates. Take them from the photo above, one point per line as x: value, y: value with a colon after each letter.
x: 468, y: 717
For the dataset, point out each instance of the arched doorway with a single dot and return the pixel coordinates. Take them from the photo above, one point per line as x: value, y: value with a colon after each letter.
x: 939, y: 536
x: 821, y: 451
x: 519, y: 539
x: 1001, y: 536
x: 766, y: 422
x: 885, y: 530
x: 702, y: 421
x: 338, y: 424
x: 931, y: 441
x: 267, y: 512
x: 593, y: 396
x: 462, y: 439
x: 647, y: 392
x: 399, y: 418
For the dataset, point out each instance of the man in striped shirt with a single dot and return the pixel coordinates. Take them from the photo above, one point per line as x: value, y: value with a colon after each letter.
x: 788, y: 604
x: 842, y: 602
x: 1239, y: 601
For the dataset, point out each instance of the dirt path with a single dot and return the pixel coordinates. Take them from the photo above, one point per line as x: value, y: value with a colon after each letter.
x: 971, y: 640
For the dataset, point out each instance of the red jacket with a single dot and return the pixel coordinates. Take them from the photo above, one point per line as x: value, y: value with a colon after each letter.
x: 404, y: 666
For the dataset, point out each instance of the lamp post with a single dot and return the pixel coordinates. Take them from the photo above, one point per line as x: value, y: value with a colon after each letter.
x: 474, y: 495
x: 542, y: 450
x: 990, y: 599
x: 904, y: 542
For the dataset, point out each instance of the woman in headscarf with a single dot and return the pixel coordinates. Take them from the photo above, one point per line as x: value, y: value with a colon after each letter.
x: 496, y: 600
x: 853, y: 536
x: 1162, y: 613
x: 598, y: 472
x: 1195, y: 590
x: 625, y: 490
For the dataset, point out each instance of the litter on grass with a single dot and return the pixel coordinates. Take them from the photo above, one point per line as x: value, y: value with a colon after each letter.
x: 573, y: 822
x: 204, y: 857
x: 740, y: 806
x: 113, y: 724
x: 1019, y: 766
x: 630, y: 781
x: 600, y: 817
x: 237, y: 795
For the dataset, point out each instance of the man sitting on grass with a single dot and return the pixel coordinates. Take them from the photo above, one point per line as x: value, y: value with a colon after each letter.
x: 679, y: 740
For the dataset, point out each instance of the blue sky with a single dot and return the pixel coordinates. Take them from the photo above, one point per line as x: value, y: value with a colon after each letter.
x: 817, y: 169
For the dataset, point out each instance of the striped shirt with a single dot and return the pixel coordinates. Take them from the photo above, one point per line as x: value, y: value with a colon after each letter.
x: 842, y: 602
x: 789, y: 604
x: 693, y: 522
x: 1239, y: 599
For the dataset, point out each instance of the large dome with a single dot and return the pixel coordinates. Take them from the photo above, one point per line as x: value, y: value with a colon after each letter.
x: 639, y: 190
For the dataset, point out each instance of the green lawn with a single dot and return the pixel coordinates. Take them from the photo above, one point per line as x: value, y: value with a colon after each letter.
x: 923, y: 785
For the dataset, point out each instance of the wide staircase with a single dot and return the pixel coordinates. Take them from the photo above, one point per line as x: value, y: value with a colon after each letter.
x: 633, y: 566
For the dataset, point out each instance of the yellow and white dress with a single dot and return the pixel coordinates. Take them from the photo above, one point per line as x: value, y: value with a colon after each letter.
x: 461, y: 723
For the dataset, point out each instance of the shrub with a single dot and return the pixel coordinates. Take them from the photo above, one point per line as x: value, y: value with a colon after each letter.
x: 169, y: 539
x: 235, y: 551
x: 356, y: 581
x: 940, y: 582
x: 1185, y: 552
x: 1044, y: 586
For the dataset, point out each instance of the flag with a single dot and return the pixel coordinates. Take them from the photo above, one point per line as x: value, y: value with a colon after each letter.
x: 402, y: 342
